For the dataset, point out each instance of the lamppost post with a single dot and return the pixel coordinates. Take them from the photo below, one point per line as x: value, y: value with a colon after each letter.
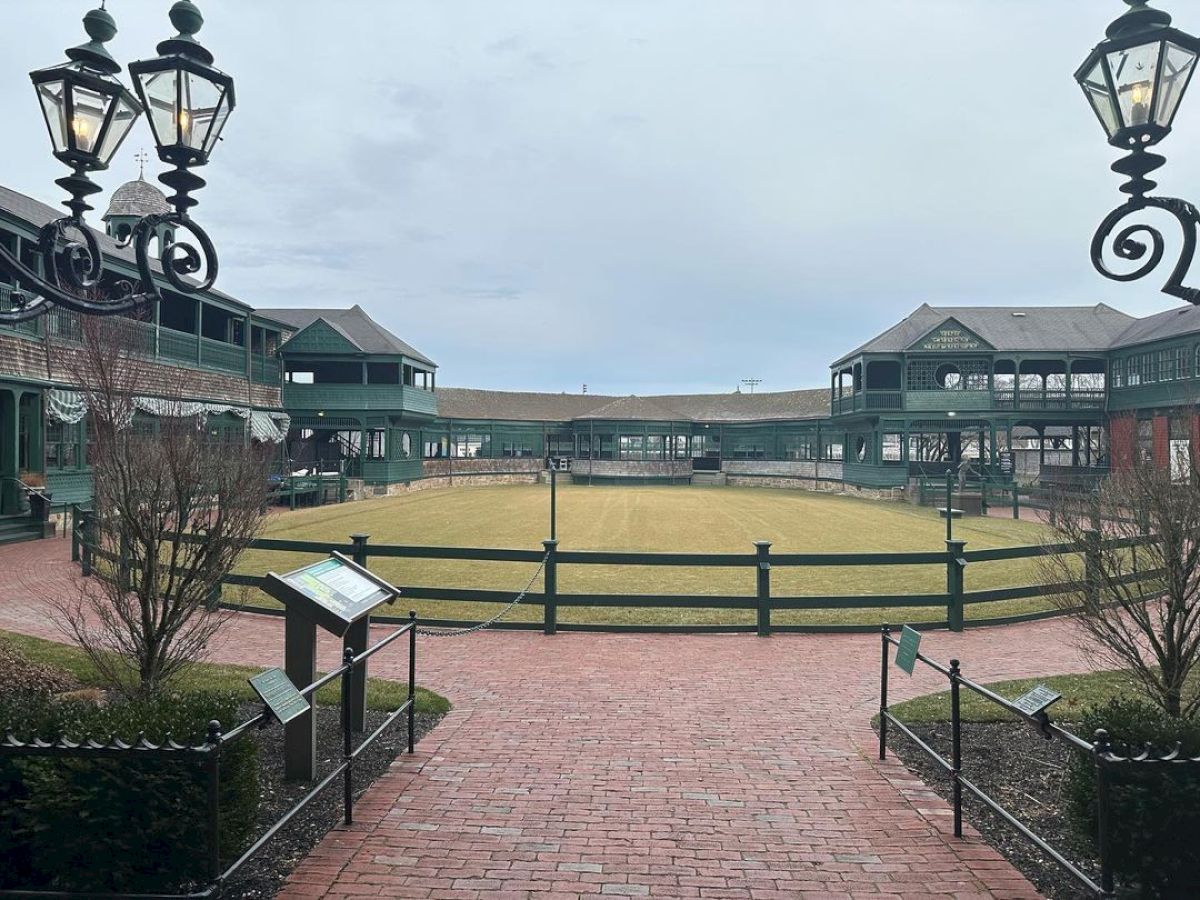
x: 88, y: 114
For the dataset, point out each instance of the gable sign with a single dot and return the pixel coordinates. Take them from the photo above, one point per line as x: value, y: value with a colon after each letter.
x: 319, y: 337
x: 951, y: 337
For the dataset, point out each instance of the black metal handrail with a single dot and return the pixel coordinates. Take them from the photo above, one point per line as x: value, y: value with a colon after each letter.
x: 209, y: 752
x: 1099, y: 749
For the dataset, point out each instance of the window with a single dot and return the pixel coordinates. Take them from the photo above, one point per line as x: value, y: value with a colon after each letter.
x: 681, y: 446
x: 831, y: 448
x: 795, y: 446
x: 892, y: 449
x: 1118, y: 373
x: 747, y: 448
x: 376, y: 444
x: 631, y: 446
x: 862, y: 448
x: 654, y: 446
x: 61, y: 445
x: 1145, y: 439
x: 471, y: 446
x: 516, y: 447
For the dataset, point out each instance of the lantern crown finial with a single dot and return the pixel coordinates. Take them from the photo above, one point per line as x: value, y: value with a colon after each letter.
x: 186, y: 16
x: 101, y: 28
x: 1138, y: 19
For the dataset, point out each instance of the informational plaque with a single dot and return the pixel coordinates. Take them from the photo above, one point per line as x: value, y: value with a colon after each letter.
x: 1007, y: 465
x: 334, y: 593
x: 282, y: 698
x: 906, y: 653
x: 1036, y: 700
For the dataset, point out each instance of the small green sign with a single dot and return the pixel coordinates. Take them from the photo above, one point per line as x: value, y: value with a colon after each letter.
x: 1036, y: 700
x: 906, y: 653
x: 279, y: 694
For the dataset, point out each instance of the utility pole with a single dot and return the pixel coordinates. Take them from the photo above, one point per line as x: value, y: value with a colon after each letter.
x: 752, y: 383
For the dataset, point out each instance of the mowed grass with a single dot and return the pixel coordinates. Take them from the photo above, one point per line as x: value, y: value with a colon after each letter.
x: 657, y: 518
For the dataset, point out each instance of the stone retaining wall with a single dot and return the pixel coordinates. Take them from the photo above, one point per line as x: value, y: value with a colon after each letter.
x: 632, y: 468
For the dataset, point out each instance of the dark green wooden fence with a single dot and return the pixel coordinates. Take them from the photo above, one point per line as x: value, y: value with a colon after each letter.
x: 955, y: 559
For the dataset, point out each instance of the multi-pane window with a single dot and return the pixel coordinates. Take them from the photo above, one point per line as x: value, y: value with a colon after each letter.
x: 376, y: 444
x: 471, y: 446
x: 892, y: 449
x: 631, y: 446
x: 654, y: 446
x: 517, y: 447
x: 62, y: 445
x: 796, y: 446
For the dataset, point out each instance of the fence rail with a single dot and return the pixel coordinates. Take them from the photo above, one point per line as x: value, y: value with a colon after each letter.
x: 209, y: 752
x: 955, y: 559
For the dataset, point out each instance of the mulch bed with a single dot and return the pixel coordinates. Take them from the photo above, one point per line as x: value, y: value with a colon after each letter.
x: 1023, y: 772
x: 264, y: 875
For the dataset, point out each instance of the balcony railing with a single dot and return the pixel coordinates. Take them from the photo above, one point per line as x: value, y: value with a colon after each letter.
x: 160, y: 343
x: 380, y: 397
x: 940, y: 401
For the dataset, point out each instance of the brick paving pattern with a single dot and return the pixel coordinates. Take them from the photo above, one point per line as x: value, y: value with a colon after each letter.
x: 601, y: 766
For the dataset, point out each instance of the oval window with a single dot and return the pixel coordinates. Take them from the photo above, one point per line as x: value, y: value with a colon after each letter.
x: 860, y: 449
x: 948, y: 377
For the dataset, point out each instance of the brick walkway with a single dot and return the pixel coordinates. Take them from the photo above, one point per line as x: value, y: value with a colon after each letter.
x: 618, y: 765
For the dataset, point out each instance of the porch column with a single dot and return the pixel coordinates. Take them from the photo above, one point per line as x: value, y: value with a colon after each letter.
x: 8, y: 451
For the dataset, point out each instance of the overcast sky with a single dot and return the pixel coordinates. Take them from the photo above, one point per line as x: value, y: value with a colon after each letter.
x: 640, y: 195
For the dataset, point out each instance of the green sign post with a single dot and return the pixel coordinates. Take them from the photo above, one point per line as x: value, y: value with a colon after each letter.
x: 906, y: 652
x: 338, y: 595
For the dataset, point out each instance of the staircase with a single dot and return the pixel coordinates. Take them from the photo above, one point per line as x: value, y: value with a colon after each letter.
x: 19, y: 528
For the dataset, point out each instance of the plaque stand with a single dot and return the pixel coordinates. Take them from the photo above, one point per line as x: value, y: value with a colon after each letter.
x: 300, y: 664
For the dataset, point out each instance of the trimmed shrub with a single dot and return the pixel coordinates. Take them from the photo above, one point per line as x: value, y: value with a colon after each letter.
x: 1154, y: 818
x: 135, y: 822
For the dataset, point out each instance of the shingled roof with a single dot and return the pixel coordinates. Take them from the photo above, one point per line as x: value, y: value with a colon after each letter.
x: 516, y: 406
x: 355, y: 325
x: 1009, y: 328
x: 1172, y: 323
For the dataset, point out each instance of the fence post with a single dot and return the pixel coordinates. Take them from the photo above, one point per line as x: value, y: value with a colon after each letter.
x: 764, y: 587
x: 956, y: 744
x: 1091, y: 568
x: 347, y: 736
x: 550, y: 593
x: 955, y: 570
x: 1016, y: 501
x: 213, y: 764
x: 884, y: 634
x: 412, y: 678
x: 949, y: 506
x: 88, y: 528
x: 74, y: 532
x: 1101, y: 747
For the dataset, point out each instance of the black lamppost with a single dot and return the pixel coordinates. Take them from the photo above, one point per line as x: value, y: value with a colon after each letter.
x: 89, y: 113
x: 1135, y: 80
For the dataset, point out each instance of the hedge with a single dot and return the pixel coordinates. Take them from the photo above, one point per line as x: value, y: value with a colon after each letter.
x: 1155, y: 808
x: 133, y: 823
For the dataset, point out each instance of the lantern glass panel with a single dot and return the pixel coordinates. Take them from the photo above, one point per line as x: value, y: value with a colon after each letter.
x: 1096, y: 89
x: 52, y: 95
x: 87, y: 119
x: 1177, y: 69
x: 124, y: 117
x: 162, y: 95
x: 1133, y: 74
x: 200, y: 110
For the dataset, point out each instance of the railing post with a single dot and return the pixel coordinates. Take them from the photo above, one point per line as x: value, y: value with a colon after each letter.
x: 412, y: 679
x: 955, y: 571
x: 884, y: 634
x: 956, y: 744
x: 764, y: 587
x: 213, y: 764
x: 347, y: 736
x: 1016, y: 500
x: 550, y: 593
x: 74, y: 532
x: 1100, y: 748
x: 357, y: 639
x: 949, y: 505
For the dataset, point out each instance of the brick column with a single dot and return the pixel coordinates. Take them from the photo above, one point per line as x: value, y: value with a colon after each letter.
x: 1162, y: 442
x: 1122, y: 436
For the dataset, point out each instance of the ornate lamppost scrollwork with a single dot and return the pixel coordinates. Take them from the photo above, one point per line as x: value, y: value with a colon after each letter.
x: 1135, y: 80
x: 89, y: 113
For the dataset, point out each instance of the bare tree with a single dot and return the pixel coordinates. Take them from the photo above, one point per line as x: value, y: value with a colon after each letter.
x: 175, y: 503
x: 1138, y: 603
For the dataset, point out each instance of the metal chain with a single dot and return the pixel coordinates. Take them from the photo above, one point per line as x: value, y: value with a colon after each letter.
x: 459, y: 632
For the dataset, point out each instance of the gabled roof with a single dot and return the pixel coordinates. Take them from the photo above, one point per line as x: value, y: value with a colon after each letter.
x: 1010, y: 328
x: 1171, y: 323
x: 363, y: 332
x: 35, y: 213
x: 519, y: 406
